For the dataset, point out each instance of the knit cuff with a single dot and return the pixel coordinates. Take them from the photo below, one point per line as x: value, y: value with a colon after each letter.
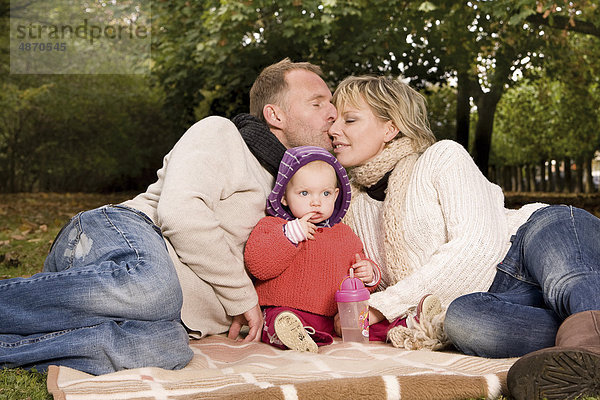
x: 293, y: 231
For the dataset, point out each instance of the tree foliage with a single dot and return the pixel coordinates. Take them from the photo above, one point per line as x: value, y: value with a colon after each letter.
x: 74, y: 132
x: 80, y: 133
x: 554, y: 113
x: 485, y: 46
x: 491, y: 57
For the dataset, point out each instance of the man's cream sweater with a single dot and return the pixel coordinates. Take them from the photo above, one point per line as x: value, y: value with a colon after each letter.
x: 210, y: 193
x: 455, y: 227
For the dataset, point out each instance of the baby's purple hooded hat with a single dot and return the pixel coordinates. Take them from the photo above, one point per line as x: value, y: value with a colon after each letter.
x: 292, y: 161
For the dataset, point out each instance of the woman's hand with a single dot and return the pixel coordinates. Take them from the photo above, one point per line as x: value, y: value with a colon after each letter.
x: 375, y: 316
x: 363, y: 269
x: 337, y: 325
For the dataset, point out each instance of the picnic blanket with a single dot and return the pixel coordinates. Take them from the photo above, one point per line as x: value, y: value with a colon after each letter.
x: 225, y: 369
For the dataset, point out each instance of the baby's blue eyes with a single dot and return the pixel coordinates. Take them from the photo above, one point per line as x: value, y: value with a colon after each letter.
x: 304, y: 193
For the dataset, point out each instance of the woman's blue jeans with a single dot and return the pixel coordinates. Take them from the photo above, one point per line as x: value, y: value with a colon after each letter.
x: 107, y: 299
x: 552, y: 270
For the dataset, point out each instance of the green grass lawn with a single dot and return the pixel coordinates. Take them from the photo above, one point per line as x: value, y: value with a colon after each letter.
x: 28, y: 224
x: 19, y: 384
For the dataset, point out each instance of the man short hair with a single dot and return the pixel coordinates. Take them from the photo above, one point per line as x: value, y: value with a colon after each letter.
x: 270, y: 85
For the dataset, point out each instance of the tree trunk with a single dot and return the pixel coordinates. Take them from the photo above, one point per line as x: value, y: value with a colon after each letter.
x: 589, y: 187
x: 508, y: 181
x: 519, y: 177
x: 579, y: 175
x: 492, y: 174
x: 532, y: 173
x: 558, y: 176
x: 463, y: 110
x: 486, y: 108
x: 551, y: 182
x: 568, y: 181
x: 542, y: 185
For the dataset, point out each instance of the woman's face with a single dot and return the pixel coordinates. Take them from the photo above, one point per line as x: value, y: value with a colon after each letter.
x: 358, y: 135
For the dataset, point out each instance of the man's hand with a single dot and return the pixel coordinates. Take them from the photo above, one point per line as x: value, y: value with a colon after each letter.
x: 253, y: 318
x: 308, y: 227
x: 363, y: 269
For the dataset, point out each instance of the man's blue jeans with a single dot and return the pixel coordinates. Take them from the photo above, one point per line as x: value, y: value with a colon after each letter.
x: 552, y: 270
x: 107, y: 299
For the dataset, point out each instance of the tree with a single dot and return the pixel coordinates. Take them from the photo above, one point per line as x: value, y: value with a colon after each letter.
x: 564, y: 16
x: 225, y: 45
x: 80, y: 132
x: 480, y: 44
x: 552, y: 118
x: 19, y: 108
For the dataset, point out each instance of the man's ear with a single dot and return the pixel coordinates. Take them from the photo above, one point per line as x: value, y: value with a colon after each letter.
x: 274, y: 115
x: 391, y: 131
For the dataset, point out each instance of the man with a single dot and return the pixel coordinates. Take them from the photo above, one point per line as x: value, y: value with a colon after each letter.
x: 119, y: 280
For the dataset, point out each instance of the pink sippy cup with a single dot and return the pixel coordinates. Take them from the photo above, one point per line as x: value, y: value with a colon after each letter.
x: 353, y: 306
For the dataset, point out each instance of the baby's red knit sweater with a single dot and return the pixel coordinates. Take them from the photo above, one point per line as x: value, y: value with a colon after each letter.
x: 305, y: 276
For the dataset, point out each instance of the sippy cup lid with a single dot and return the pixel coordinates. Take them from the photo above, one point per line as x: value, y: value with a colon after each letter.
x: 351, y: 289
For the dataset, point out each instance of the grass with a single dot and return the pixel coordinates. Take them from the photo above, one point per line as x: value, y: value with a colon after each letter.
x: 31, y: 221
x: 18, y: 384
x: 28, y: 224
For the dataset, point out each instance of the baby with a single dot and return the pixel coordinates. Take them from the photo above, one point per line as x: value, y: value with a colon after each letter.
x: 301, y: 252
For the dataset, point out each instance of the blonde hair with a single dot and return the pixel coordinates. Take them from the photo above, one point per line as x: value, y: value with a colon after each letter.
x: 270, y: 85
x: 390, y: 100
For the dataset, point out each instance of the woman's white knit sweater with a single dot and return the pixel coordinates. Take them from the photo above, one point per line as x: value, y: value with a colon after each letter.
x: 455, y: 227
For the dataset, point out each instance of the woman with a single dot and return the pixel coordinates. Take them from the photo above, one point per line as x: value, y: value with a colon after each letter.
x: 436, y: 225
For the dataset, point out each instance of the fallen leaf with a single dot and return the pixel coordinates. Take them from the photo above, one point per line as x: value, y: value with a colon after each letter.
x: 27, y: 226
x: 10, y: 260
x: 18, y: 237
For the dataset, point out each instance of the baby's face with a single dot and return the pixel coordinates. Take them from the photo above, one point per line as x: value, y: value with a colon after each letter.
x: 312, y: 189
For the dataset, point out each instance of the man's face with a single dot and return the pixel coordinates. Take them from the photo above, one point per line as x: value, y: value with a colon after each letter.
x: 308, y: 110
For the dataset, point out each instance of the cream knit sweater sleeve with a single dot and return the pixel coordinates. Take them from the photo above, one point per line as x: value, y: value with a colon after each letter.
x: 455, y: 231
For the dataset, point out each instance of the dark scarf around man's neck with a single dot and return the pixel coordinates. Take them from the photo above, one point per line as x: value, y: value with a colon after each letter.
x: 261, y: 141
x: 378, y: 190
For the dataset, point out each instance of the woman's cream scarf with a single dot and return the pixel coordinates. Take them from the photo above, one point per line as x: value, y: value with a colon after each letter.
x: 399, y: 157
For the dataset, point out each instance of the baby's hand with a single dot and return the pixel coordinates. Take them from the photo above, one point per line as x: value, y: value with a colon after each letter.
x: 308, y: 227
x: 363, y: 269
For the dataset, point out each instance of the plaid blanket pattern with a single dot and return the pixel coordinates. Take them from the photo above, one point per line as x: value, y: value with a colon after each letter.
x: 225, y: 369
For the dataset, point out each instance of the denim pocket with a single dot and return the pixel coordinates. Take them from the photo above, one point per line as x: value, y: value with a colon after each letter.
x: 140, y: 214
x: 512, y: 264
